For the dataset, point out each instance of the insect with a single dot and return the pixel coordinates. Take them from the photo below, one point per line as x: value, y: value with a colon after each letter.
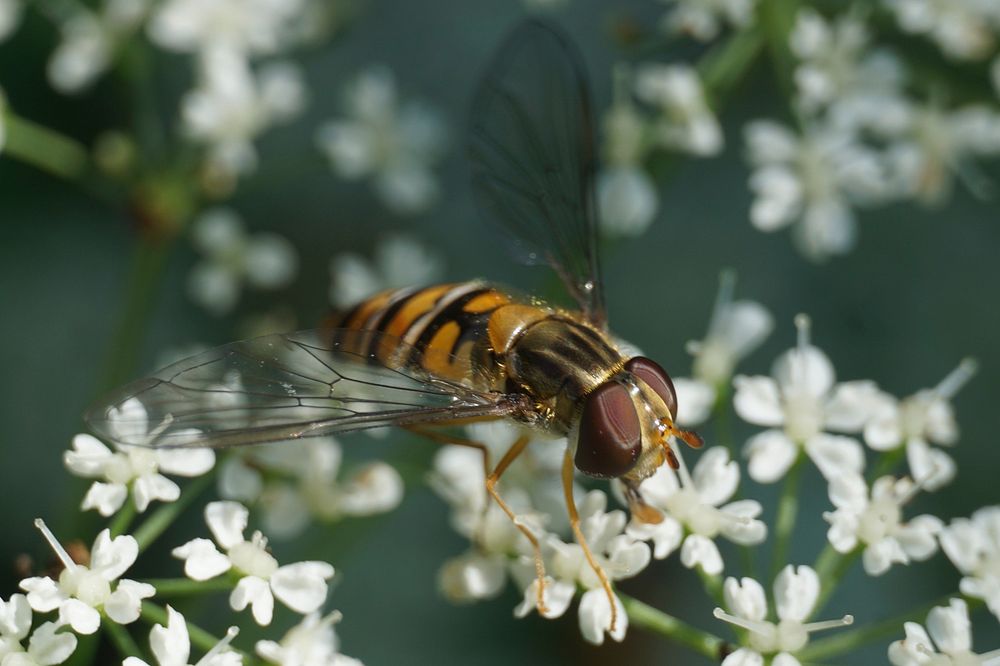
x: 430, y: 358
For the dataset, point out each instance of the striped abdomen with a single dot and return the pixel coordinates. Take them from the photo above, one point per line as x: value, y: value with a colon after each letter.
x: 477, y: 334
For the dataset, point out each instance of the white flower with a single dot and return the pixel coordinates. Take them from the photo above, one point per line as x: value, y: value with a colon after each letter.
x: 400, y: 260
x: 47, y: 645
x: 875, y: 522
x: 962, y: 29
x: 307, y: 485
x: 952, y: 633
x: 134, y: 468
x: 84, y: 592
x: 685, y: 121
x: 703, y: 19
x: 10, y: 17
x: 937, y: 144
x: 89, y: 39
x: 812, y: 180
x: 618, y: 554
x: 312, y: 642
x: 796, y: 590
x: 254, y: 27
x: 918, y: 421
x: 397, y: 145
x: 804, y: 400
x: 973, y: 546
x: 627, y: 199
x: 300, y: 586
x: 232, y: 105
x: 171, y: 646
x: 735, y: 330
x: 264, y: 260
x: 692, y: 515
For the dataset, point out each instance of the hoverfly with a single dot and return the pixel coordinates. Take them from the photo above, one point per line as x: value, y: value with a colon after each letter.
x: 429, y: 358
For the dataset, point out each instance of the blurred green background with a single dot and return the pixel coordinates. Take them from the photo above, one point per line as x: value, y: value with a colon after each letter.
x: 919, y: 293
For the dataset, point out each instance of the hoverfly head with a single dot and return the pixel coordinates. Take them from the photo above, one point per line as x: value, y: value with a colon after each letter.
x: 626, y: 423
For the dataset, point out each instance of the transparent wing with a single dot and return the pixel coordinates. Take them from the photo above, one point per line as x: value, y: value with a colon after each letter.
x: 282, y: 387
x: 531, y: 148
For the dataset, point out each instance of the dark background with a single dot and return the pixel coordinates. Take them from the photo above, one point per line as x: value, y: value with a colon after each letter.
x: 919, y: 293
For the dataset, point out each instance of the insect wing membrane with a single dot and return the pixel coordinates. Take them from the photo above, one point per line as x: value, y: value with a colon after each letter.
x: 282, y: 387
x: 531, y: 148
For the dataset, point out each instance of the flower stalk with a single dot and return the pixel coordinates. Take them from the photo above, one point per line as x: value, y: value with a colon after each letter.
x: 656, y: 621
x: 788, y: 509
x: 45, y: 148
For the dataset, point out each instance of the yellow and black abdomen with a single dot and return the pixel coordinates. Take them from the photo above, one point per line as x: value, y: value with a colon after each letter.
x: 444, y: 329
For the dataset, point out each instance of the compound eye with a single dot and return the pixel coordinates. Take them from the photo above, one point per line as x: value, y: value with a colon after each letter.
x: 610, y: 438
x: 656, y: 378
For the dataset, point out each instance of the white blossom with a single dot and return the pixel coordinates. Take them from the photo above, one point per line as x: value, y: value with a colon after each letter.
x: 796, y: 590
x: 918, y: 421
x: 952, y: 645
x: 232, y: 256
x: 874, y: 520
x: 83, y: 593
x: 618, y: 554
x: 304, y: 482
x: 936, y: 145
x: 694, y: 513
x: 735, y: 330
x: 10, y: 17
x: 232, y: 105
x: 812, y: 180
x: 685, y: 121
x: 89, y: 39
x: 132, y: 468
x: 301, y: 586
x: 973, y: 546
x: 312, y: 642
x: 171, y: 646
x: 47, y: 644
x: 803, y: 399
x: 704, y: 19
x: 253, y: 27
x: 627, y: 199
x: 399, y: 260
x: 395, y: 144
x: 962, y: 29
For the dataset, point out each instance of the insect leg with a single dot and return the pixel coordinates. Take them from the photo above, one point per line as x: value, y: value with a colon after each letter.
x: 491, y: 481
x: 574, y: 521
x: 492, y: 477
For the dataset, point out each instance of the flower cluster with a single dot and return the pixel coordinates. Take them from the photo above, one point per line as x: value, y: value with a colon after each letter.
x: 396, y: 144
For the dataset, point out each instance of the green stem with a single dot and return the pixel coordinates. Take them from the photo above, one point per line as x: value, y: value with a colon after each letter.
x: 161, y: 519
x: 153, y: 614
x: 722, y: 68
x: 887, y: 462
x: 122, y: 640
x: 651, y: 619
x: 123, y: 518
x: 176, y: 587
x: 847, y: 641
x: 44, y: 148
x: 788, y: 510
x: 777, y: 18
x: 713, y: 585
x: 830, y: 567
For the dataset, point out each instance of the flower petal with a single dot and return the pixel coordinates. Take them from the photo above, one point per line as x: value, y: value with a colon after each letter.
x: 375, y: 488
x: 701, y: 551
x: 83, y: 618
x: 771, y: 455
x: 473, y: 576
x: 595, y: 617
x: 851, y: 406
x: 918, y: 538
x: 201, y: 559
x: 694, y: 401
x: 124, y: 604
x: 745, y: 597
x: 804, y: 370
x: 185, y: 462
x: 716, y: 476
x: 881, y: 555
x: 302, y: 586
x: 107, y: 498
x: 256, y: 593
x: 44, y: 595
x: 151, y: 487
x: 950, y: 628
x: 88, y: 456
x: 743, y: 657
x: 745, y: 530
x: 665, y: 535
x: 15, y: 617
x: 557, y: 597
x: 227, y: 521
x: 796, y: 590
x: 835, y: 455
x: 932, y: 468
x: 112, y: 557
x: 758, y: 401
x: 50, y: 646
x: 171, y: 645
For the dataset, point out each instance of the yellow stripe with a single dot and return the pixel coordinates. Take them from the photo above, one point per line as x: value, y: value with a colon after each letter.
x: 415, y: 306
x: 488, y: 301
